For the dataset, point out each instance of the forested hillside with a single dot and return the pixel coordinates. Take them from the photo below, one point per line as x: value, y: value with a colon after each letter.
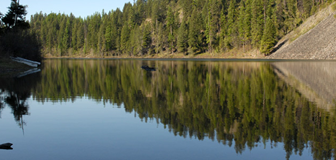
x: 149, y: 27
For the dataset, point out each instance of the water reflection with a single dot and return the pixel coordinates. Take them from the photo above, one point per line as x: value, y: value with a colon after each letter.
x: 235, y: 103
x: 14, y: 93
x: 314, y: 79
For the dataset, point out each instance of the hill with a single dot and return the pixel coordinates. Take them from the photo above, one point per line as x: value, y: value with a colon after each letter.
x: 170, y: 27
x: 314, y: 39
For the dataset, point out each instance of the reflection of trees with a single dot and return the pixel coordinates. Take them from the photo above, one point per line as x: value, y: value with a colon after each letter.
x: 18, y: 105
x: 229, y: 102
x: 14, y: 94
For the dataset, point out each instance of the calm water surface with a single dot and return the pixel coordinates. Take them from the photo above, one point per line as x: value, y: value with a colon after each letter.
x: 114, y: 109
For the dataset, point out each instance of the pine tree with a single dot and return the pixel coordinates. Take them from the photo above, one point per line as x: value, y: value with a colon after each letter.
x: 223, y: 25
x: 231, y: 18
x: 170, y: 27
x: 74, y: 36
x: 247, y: 21
x: 241, y: 23
x: 209, y: 26
x: 15, y: 16
x: 101, y: 45
x: 146, y: 38
x: 80, y: 36
x: 194, y: 32
x: 65, y: 40
x: 108, y: 38
x: 182, y: 38
x: 125, y: 33
x: 268, y: 39
x: 257, y: 22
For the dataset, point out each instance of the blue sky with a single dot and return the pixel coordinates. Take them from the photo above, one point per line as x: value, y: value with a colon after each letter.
x: 81, y: 8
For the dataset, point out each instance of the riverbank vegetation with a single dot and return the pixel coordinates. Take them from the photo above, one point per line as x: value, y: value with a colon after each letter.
x: 15, y: 36
x: 189, y: 27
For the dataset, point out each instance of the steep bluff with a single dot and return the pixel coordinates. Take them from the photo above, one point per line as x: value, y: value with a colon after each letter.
x: 316, y: 43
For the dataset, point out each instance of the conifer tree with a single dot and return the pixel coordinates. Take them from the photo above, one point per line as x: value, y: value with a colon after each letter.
x: 268, y: 39
x: 124, y: 38
x: 108, y: 37
x: 146, y: 38
x: 73, y: 36
x: 80, y: 37
x: 210, y: 24
x: 170, y: 27
x: 247, y: 21
x: 15, y: 16
x: 241, y: 24
x: 101, y: 45
x: 231, y: 17
x: 182, y: 38
x: 257, y: 22
x: 194, y: 32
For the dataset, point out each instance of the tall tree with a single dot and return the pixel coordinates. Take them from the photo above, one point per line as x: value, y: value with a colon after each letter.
x: 125, y: 34
x: 257, y: 22
x: 194, y: 32
x: 182, y: 38
x: 231, y: 22
x: 15, y: 16
x: 170, y: 28
x: 268, y: 39
x: 247, y: 22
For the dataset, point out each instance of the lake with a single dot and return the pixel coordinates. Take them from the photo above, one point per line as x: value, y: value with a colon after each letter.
x: 195, y: 109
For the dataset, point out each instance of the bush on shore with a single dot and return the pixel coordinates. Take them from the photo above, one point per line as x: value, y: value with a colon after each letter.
x: 20, y: 43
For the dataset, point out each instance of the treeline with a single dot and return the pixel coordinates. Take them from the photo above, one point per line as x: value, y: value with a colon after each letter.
x: 237, y: 104
x: 174, y: 26
x: 15, y: 38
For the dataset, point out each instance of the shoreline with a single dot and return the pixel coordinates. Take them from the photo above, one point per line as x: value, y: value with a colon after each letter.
x: 187, y: 58
x: 10, y: 68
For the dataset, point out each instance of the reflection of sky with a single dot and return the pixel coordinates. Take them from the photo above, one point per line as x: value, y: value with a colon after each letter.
x: 89, y: 130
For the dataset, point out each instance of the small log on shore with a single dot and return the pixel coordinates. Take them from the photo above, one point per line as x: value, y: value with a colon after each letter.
x: 26, y: 61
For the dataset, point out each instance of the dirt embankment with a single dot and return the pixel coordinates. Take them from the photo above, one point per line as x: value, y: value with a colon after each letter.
x: 314, y: 39
x: 314, y: 79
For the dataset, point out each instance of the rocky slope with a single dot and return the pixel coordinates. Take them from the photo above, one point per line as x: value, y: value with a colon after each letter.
x: 316, y: 43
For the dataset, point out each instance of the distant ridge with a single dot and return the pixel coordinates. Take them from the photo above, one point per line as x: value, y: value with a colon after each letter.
x: 317, y: 43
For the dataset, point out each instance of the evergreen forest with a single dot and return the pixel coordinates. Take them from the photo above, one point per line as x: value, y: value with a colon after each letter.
x: 150, y: 27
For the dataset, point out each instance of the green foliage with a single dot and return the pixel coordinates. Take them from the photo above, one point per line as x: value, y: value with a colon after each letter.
x: 209, y: 25
x: 125, y: 34
x: 268, y: 39
x: 182, y: 38
x: 146, y: 38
